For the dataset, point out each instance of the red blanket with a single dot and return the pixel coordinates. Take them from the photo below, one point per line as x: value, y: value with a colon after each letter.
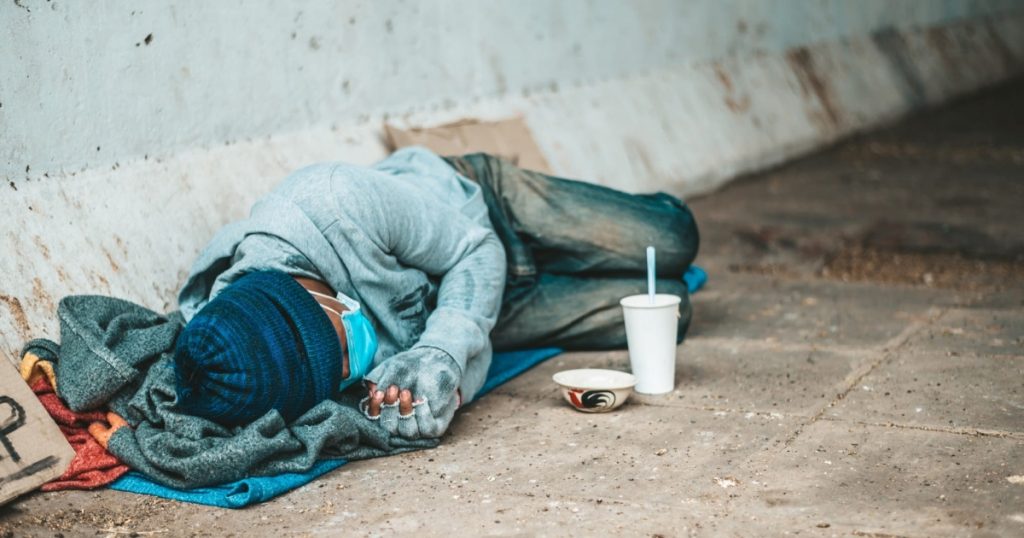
x: 92, y: 466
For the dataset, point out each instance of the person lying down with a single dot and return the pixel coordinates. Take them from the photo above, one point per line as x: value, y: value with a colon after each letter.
x: 404, y: 277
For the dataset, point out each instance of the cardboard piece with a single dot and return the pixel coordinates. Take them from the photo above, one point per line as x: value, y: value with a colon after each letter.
x: 509, y: 139
x: 33, y: 451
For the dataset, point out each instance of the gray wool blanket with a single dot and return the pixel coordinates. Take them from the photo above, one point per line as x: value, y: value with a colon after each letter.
x: 118, y: 355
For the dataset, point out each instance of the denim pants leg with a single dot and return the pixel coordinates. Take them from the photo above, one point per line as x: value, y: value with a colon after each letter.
x: 574, y: 249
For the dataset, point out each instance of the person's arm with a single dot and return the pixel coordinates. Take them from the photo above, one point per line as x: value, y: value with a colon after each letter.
x: 423, y: 233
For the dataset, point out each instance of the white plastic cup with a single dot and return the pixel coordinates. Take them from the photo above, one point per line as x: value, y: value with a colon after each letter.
x: 651, y: 330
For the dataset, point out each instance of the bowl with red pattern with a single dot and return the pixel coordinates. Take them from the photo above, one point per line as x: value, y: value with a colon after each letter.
x: 594, y: 390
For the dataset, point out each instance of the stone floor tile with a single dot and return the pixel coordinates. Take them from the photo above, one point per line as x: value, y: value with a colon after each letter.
x: 939, y: 390
x: 848, y: 479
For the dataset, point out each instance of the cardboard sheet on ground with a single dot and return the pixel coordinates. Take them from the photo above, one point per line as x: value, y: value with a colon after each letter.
x: 509, y: 139
x: 32, y: 449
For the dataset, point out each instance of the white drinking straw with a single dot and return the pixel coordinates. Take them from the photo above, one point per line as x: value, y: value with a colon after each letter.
x: 650, y: 274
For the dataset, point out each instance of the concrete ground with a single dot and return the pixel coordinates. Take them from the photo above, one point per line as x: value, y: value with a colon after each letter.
x: 855, y: 368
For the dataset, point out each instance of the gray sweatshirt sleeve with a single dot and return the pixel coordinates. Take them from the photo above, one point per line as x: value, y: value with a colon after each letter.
x: 262, y: 252
x: 421, y: 232
x: 254, y: 252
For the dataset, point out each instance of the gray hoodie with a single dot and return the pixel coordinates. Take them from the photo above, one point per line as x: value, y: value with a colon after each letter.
x: 408, y: 238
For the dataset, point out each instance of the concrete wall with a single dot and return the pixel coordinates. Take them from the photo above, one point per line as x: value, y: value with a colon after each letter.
x: 130, y: 131
x: 87, y: 84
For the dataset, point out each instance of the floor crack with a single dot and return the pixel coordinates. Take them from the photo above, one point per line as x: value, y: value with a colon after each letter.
x: 972, y: 432
x: 854, y: 379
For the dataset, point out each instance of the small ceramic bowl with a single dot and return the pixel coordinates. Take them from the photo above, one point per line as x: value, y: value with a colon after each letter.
x: 593, y: 390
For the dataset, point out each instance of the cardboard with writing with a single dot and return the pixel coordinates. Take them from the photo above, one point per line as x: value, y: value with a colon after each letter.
x: 33, y: 450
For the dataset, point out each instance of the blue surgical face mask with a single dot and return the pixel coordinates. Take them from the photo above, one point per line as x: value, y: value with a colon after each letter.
x: 361, y: 338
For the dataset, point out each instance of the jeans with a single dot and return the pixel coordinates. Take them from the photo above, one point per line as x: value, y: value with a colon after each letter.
x: 574, y: 249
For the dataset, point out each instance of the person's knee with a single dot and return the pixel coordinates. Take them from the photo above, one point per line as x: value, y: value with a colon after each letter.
x: 683, y: 233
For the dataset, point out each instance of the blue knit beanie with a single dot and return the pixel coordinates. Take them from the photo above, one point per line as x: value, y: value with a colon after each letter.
x: 262, y: 343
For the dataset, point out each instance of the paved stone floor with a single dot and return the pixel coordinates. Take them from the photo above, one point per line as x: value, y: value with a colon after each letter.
x: 855, y: 368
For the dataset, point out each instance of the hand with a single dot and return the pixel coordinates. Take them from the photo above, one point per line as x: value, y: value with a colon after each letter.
x: 393, y: 394
x: 102, y: 433
x: 421, y: 394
